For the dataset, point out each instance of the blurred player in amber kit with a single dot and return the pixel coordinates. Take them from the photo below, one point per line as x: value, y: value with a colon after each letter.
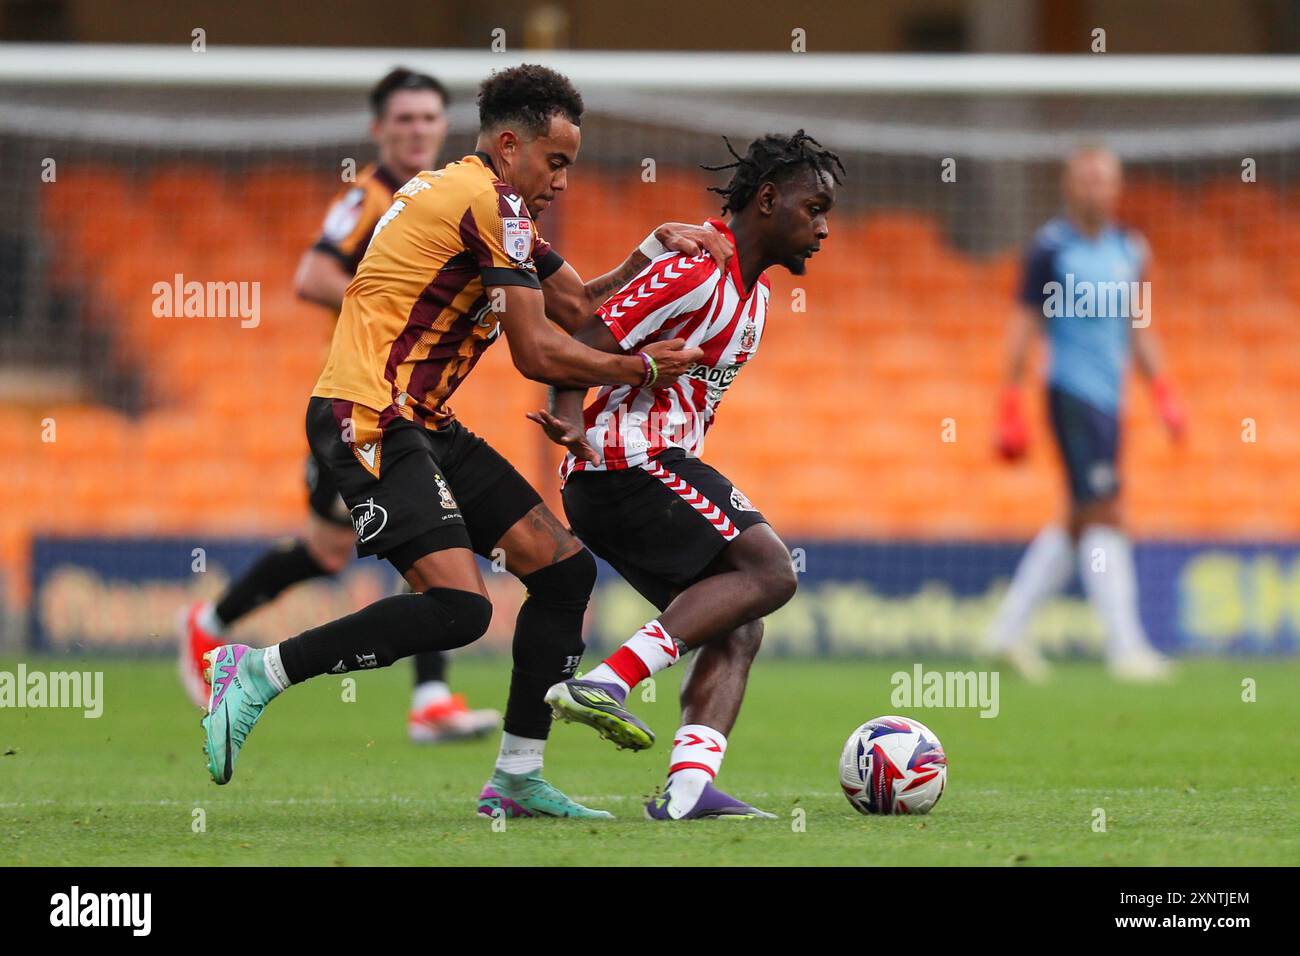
x: 1078, y: 268
x: 409, y: 128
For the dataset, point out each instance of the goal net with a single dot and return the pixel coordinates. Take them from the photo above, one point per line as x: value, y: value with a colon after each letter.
x: 148, y: 455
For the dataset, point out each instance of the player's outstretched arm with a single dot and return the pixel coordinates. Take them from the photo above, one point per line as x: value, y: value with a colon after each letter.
x: 570, y: 301
x: 1150, y: 362
x: 1013, y: 429
x: 543, y: 353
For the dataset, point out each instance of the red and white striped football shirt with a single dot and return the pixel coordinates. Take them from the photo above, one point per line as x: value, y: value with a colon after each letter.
x: 674, y: 297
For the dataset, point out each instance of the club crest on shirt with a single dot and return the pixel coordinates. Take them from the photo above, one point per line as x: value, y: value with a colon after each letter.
x: 739, y: 501
x: 748, y: 337
x: 517, y: 238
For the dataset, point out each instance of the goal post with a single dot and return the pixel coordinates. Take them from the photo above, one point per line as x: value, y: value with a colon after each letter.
x: 293, y: 67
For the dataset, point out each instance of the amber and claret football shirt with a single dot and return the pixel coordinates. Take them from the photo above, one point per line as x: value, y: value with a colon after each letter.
x: 417, y: 317
x: 352, y: 215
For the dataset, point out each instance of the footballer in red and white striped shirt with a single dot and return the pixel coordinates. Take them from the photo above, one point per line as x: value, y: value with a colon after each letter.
x: 694, y: 299
x: 637, y: 493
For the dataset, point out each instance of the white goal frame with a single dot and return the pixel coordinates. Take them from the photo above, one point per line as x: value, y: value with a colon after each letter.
x: 333, y: 68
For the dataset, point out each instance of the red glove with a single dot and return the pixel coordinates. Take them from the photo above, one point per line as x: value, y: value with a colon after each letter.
x: 1171, y: 409
x: 1013, y: 430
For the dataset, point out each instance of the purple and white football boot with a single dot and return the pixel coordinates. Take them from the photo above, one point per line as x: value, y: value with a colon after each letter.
x: 712, y: 804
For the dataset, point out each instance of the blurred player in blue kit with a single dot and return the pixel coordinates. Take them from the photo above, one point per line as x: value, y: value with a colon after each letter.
x: 1083, y: 287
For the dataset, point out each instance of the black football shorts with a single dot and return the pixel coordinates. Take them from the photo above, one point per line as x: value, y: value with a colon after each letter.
x: 659, y: 525
x: 1088, y: 439
x: 323, y: 495
x: 436, y: 489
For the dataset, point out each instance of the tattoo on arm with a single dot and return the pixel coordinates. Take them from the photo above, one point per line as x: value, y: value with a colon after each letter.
x: 600, y: 288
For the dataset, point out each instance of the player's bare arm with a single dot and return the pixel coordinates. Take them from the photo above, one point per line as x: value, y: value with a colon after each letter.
x: 1024, y: 321
x: 570, y: 301
x: 1149, y: 359
x: 1013, y: 427
x: 321, y: 279
x: 545, y: 354
x: 562, y: 421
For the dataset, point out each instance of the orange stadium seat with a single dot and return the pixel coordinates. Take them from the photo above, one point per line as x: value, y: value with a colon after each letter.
x: 919, y: 333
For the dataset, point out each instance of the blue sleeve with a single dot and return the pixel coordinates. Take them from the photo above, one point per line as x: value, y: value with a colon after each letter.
x: 1039, y: 269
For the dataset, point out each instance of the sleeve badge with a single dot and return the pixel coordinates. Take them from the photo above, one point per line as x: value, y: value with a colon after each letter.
x: 517, y: 238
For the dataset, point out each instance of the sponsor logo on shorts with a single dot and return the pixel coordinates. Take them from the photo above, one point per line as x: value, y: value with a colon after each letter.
x: 739, y: 501
x: 1101, y: 478
x: 369, y: 519
x: 444, y: 494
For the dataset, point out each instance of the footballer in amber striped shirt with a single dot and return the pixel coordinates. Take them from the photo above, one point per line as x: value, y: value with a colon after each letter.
x: 455, y: 264
x: 409, y: 127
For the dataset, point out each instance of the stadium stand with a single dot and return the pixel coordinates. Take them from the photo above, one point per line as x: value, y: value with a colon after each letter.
x: 900, y: 332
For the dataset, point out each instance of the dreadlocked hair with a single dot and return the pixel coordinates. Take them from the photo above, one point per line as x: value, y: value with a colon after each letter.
x: 772, y: 158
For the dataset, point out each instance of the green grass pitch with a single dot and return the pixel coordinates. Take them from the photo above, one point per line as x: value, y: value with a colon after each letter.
x: 1186, y: 774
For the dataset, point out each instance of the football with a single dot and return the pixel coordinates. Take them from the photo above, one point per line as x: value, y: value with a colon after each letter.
x: 893, y: 765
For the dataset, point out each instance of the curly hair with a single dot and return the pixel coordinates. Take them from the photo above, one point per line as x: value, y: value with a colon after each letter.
x: 773, y: 158
x: 528, y: 96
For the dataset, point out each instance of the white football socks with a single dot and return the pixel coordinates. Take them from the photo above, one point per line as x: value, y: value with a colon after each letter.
x: 1110, y: 581
x: 697, y: 756
x: 646, y: 652
x: 208, y: 620
x: 273, y: 668
x: 520, y: 754
x: 1042, y: 572
x: 604, y: 674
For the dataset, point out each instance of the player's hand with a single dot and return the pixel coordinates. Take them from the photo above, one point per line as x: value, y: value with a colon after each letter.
x: 691, y: 240
x: 1013, y: 429
x: 569, y: 434
x: 1171, y: 409
x: 672, y: 359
